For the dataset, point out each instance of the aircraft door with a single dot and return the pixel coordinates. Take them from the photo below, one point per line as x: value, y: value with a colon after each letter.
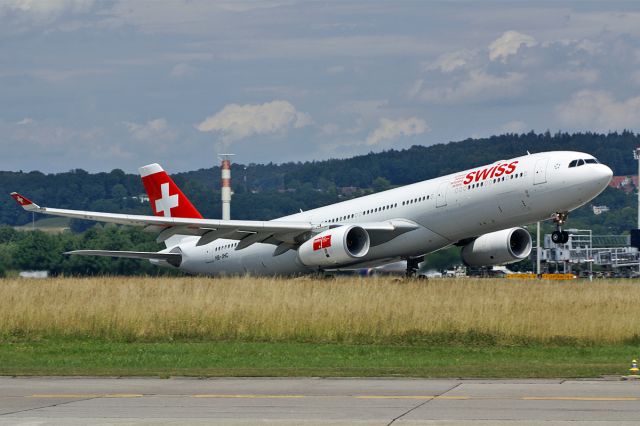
x: 208, y: 253
x: 441, y: 196
x: 540, y: 174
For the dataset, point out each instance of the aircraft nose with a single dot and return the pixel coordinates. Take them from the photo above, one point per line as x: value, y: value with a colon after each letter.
x: 603, y: 175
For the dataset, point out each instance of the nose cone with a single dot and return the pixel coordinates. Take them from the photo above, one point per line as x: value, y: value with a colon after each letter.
x: 603, y: 174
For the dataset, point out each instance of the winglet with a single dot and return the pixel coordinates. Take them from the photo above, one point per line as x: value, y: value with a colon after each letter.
x: 26, y: 203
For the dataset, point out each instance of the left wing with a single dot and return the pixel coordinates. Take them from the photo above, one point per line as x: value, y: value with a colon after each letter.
x: 285, y: 234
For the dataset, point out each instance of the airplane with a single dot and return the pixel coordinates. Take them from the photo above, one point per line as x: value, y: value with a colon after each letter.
x: 480, y: 209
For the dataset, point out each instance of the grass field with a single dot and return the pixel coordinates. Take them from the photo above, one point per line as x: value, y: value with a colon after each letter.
x: 363, y: 311
x: 52, y: 225
x: 229, y: 358
x: 345, y: 326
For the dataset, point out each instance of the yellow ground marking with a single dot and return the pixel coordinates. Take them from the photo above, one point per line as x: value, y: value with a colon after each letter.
x: 395, y: 396
x: 256, y: 396
x: 580, y: 398
x: 266, y: 396
x: 86, y: 395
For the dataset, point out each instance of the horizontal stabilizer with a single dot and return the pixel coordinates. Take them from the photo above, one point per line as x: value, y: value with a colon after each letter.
x: 172, y: 258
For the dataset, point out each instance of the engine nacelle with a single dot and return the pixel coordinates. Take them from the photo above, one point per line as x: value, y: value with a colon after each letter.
x: 337, y: 246
x: 498, y: 248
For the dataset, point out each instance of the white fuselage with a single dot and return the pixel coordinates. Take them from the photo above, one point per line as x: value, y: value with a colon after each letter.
x: 447, y: 209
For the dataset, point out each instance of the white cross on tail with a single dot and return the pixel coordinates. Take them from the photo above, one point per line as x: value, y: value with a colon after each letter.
x: 167, y: 202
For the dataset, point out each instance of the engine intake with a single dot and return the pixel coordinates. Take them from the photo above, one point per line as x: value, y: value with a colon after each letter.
x: 498, y: 248
x: 337, y: 246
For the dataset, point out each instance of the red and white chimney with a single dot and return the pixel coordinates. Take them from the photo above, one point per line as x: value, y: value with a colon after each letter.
x: 226, y: 186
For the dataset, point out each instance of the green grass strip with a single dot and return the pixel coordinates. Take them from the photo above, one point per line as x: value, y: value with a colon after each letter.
x: 229, y: 359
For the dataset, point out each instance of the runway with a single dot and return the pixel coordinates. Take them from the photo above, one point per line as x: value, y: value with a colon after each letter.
x: 69, y: 401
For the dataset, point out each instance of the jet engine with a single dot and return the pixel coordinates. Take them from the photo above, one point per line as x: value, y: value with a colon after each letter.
x: 498, y: 248
x: 337, y: 246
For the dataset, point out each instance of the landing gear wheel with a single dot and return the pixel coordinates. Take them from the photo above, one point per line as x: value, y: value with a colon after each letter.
x: 559, y: 236
x: 413, y: 264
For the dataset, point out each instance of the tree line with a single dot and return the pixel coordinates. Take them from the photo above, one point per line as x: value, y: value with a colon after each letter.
x: 266, y: 191
x: 37, y: 250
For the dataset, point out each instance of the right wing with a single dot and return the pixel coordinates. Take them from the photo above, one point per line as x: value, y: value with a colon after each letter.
x: 208, y: 229
x: 285, y: 234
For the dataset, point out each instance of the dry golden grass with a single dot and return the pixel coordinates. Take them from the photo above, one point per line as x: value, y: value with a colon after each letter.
x: 340, y: 310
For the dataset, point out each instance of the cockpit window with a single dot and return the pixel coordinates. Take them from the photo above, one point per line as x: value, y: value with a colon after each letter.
x: 578, y: 163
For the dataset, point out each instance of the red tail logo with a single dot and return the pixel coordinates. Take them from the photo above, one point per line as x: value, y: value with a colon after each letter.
x: 164, y: 195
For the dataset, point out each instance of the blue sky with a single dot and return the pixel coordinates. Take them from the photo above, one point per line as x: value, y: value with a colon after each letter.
x: 118, y: 84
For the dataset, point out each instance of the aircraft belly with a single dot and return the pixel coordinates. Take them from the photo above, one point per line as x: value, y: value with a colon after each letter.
x: 256, y: 259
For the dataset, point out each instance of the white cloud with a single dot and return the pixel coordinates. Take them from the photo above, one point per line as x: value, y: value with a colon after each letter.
x: 599, y: 110
x: 153, y: 130
x: 514, y: 126
x: 449, y: 62
x: 476, y: 86
x: 237, y: 122
x: 508, y: 44
x: 391, y: 129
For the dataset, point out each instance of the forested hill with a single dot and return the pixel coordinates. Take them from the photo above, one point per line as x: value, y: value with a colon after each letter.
x: 272, y: 190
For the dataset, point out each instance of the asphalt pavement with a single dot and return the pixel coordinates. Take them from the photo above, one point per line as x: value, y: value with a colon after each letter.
x: 289, y: 401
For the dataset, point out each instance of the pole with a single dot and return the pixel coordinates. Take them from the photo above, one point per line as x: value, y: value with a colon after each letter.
x: 538, y: 251
x: 636, y: 155
x: 590, y: 255
x: 225, y: 170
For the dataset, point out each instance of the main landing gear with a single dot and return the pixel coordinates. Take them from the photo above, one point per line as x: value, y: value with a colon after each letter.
x: 559, y: 236
x: 413, y: 264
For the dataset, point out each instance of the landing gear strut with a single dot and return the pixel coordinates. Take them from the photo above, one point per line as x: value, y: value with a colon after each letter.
x: 413, y: 264
x: 559, y: 236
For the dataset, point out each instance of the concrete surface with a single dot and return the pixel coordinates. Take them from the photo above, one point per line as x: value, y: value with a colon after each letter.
x: 64, y: 401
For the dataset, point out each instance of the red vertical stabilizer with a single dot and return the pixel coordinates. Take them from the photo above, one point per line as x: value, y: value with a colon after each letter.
x: 165, y: 197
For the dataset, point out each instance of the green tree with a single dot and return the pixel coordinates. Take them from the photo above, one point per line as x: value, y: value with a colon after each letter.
x: 37, y: 251
x: 381, y: 184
